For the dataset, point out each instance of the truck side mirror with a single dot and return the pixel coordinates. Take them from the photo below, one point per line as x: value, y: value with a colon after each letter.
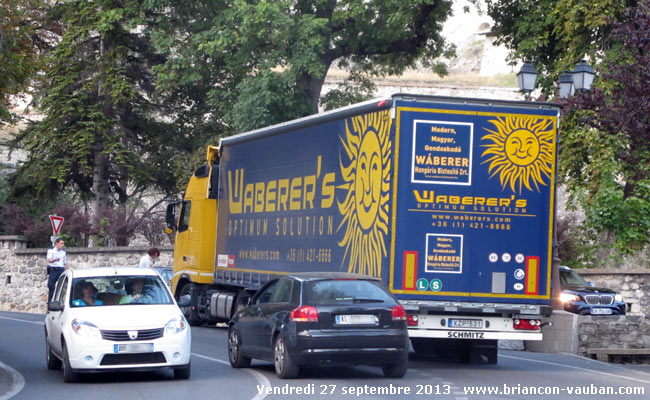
x: 170, y: 218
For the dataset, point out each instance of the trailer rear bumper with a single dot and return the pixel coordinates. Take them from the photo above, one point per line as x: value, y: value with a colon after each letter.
x: 470, y: 334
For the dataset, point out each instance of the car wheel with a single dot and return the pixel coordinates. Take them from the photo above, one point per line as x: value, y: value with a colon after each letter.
x: 398, y: 369
x: 53, y: 363
x: 237, y: 360
x: 192, y: 316
x: 183, y: 373
x: 284, y: 366
x: 68, y: 374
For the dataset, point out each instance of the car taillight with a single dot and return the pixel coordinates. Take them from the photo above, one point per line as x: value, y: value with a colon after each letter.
x: 527, y: 324
x: 398, y: 314
x: 304, y: 314
x: 412, y: 320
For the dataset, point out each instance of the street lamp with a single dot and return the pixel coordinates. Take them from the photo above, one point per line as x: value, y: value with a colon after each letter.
x: 583, y: 76
x: 527, y: 78
x: 566, y: 84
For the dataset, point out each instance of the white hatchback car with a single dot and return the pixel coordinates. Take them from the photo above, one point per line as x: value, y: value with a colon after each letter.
x: 108, y: 319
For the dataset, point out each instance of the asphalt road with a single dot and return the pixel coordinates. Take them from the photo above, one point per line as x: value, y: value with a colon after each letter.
x: 518, y: 375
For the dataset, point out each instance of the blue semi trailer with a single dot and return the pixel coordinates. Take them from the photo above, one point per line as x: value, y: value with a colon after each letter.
x: 450, y: 201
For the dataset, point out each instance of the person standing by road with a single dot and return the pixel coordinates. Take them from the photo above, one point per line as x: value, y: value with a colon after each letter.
x: 147, y: 260
x: 56, y: 264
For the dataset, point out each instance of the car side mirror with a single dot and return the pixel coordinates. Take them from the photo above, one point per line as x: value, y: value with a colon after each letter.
x: 54, y: 306
x: 591, y: 284
x: 184, y: 301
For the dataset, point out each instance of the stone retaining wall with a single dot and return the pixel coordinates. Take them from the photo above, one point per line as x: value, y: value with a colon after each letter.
x: 633, y: 284
x: 613, y: 332
x: 23, y: 284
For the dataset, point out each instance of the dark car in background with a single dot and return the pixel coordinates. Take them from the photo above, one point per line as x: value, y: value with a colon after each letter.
x: 321, y: 319
x: 166, y: 273
x: 581, y: 297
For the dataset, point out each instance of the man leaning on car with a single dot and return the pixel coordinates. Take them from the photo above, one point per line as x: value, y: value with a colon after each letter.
x: 56, y: 264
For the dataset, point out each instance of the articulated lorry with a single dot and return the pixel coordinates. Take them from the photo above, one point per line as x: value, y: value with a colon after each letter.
x: 450, y: 201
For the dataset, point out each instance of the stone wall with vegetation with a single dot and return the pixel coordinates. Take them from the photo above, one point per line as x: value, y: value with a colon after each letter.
x: 23, y: 285
x: 633, y: 284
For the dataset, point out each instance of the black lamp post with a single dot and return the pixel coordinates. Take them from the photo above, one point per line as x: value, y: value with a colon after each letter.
x: 527, y: 78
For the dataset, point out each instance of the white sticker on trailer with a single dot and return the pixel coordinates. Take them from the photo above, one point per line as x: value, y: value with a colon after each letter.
x: 222, y: 260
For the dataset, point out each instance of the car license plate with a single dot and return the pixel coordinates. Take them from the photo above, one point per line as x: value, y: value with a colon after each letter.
x: 133, y: 348
x: 356, y: 319
x: 465, y: 323
x: 601, y: 311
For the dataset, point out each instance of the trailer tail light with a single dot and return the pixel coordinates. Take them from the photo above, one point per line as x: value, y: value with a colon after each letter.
x: 304, y: 314
x: 412, y: 320
x: 398, y: 313
x: 527, y: 324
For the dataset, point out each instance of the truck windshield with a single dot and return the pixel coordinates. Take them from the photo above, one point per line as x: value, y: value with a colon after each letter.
x: 571, y: 278
x: 351, y: 291
x: 119, y: 290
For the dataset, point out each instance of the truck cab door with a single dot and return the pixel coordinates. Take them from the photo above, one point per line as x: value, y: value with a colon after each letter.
x: 183, y: 234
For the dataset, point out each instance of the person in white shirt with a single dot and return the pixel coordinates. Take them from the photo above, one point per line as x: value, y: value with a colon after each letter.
x: 56, y: 264
x: 147, y: 260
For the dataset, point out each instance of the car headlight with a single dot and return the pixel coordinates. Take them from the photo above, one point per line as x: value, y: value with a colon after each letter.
x: 618, y: 298
x: 568, y: 297
x: 85, y: 328
x: 175, y: 325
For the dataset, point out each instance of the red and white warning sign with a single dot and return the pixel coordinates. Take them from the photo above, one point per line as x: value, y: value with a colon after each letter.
x: 57, y: 223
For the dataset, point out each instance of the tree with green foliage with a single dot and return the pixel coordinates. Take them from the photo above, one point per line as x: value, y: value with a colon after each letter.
x: 605, y: 146
x: 24, y: 33
x: 103, y: 134
x: 243, y: 64
x: 556, y: 34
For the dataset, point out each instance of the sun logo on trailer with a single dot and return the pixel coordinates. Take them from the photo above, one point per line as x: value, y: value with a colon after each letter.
x: 522, y: 151
x: 367, y: 189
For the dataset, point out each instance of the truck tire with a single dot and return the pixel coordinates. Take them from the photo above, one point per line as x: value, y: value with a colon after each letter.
x: 483, y: 351
x: 423, y: 346
x: 190, y: 313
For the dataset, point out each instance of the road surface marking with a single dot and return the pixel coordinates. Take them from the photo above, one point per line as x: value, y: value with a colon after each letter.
x: 261, y: 379
x: 23, y: 320
x: 578, y: 368
x: 18, y: 382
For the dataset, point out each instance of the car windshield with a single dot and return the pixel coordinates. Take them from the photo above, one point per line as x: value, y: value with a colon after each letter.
x: 119, y: 290
x: 571, y: 278
x: 352, y: 290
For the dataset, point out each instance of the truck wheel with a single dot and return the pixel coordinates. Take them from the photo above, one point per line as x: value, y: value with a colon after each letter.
x: 191, y: 315
x: 398, y: 369
x: 284, y: 366
x: 423, y: 346
x: 53, y: 363
x: 69, y: 375
x: 237, y: 360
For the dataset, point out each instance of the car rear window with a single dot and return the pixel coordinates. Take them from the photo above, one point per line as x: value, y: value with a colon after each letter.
x: 119, y: 290
x: 353, y: 290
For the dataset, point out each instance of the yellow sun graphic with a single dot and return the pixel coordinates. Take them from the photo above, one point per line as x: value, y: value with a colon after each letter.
x: 367, y: 182
x: 522, y: 151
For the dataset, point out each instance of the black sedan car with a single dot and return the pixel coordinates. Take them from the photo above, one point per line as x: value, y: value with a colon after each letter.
x: 581, y: 297
x: 321, y: 320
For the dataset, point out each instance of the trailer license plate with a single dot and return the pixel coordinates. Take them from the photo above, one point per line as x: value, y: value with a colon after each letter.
x: 356, y: 319
x: 601, y: 311
x: 465, y: 323
x: 133, y: 348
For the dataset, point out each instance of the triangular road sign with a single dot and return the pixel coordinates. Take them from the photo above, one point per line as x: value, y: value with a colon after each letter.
x: 57, y: 223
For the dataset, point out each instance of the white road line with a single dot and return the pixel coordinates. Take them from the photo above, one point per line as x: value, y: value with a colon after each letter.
x: 41, y: 323
x: 18, y: 382
x: 261, y: 379
x: 629, y: 378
